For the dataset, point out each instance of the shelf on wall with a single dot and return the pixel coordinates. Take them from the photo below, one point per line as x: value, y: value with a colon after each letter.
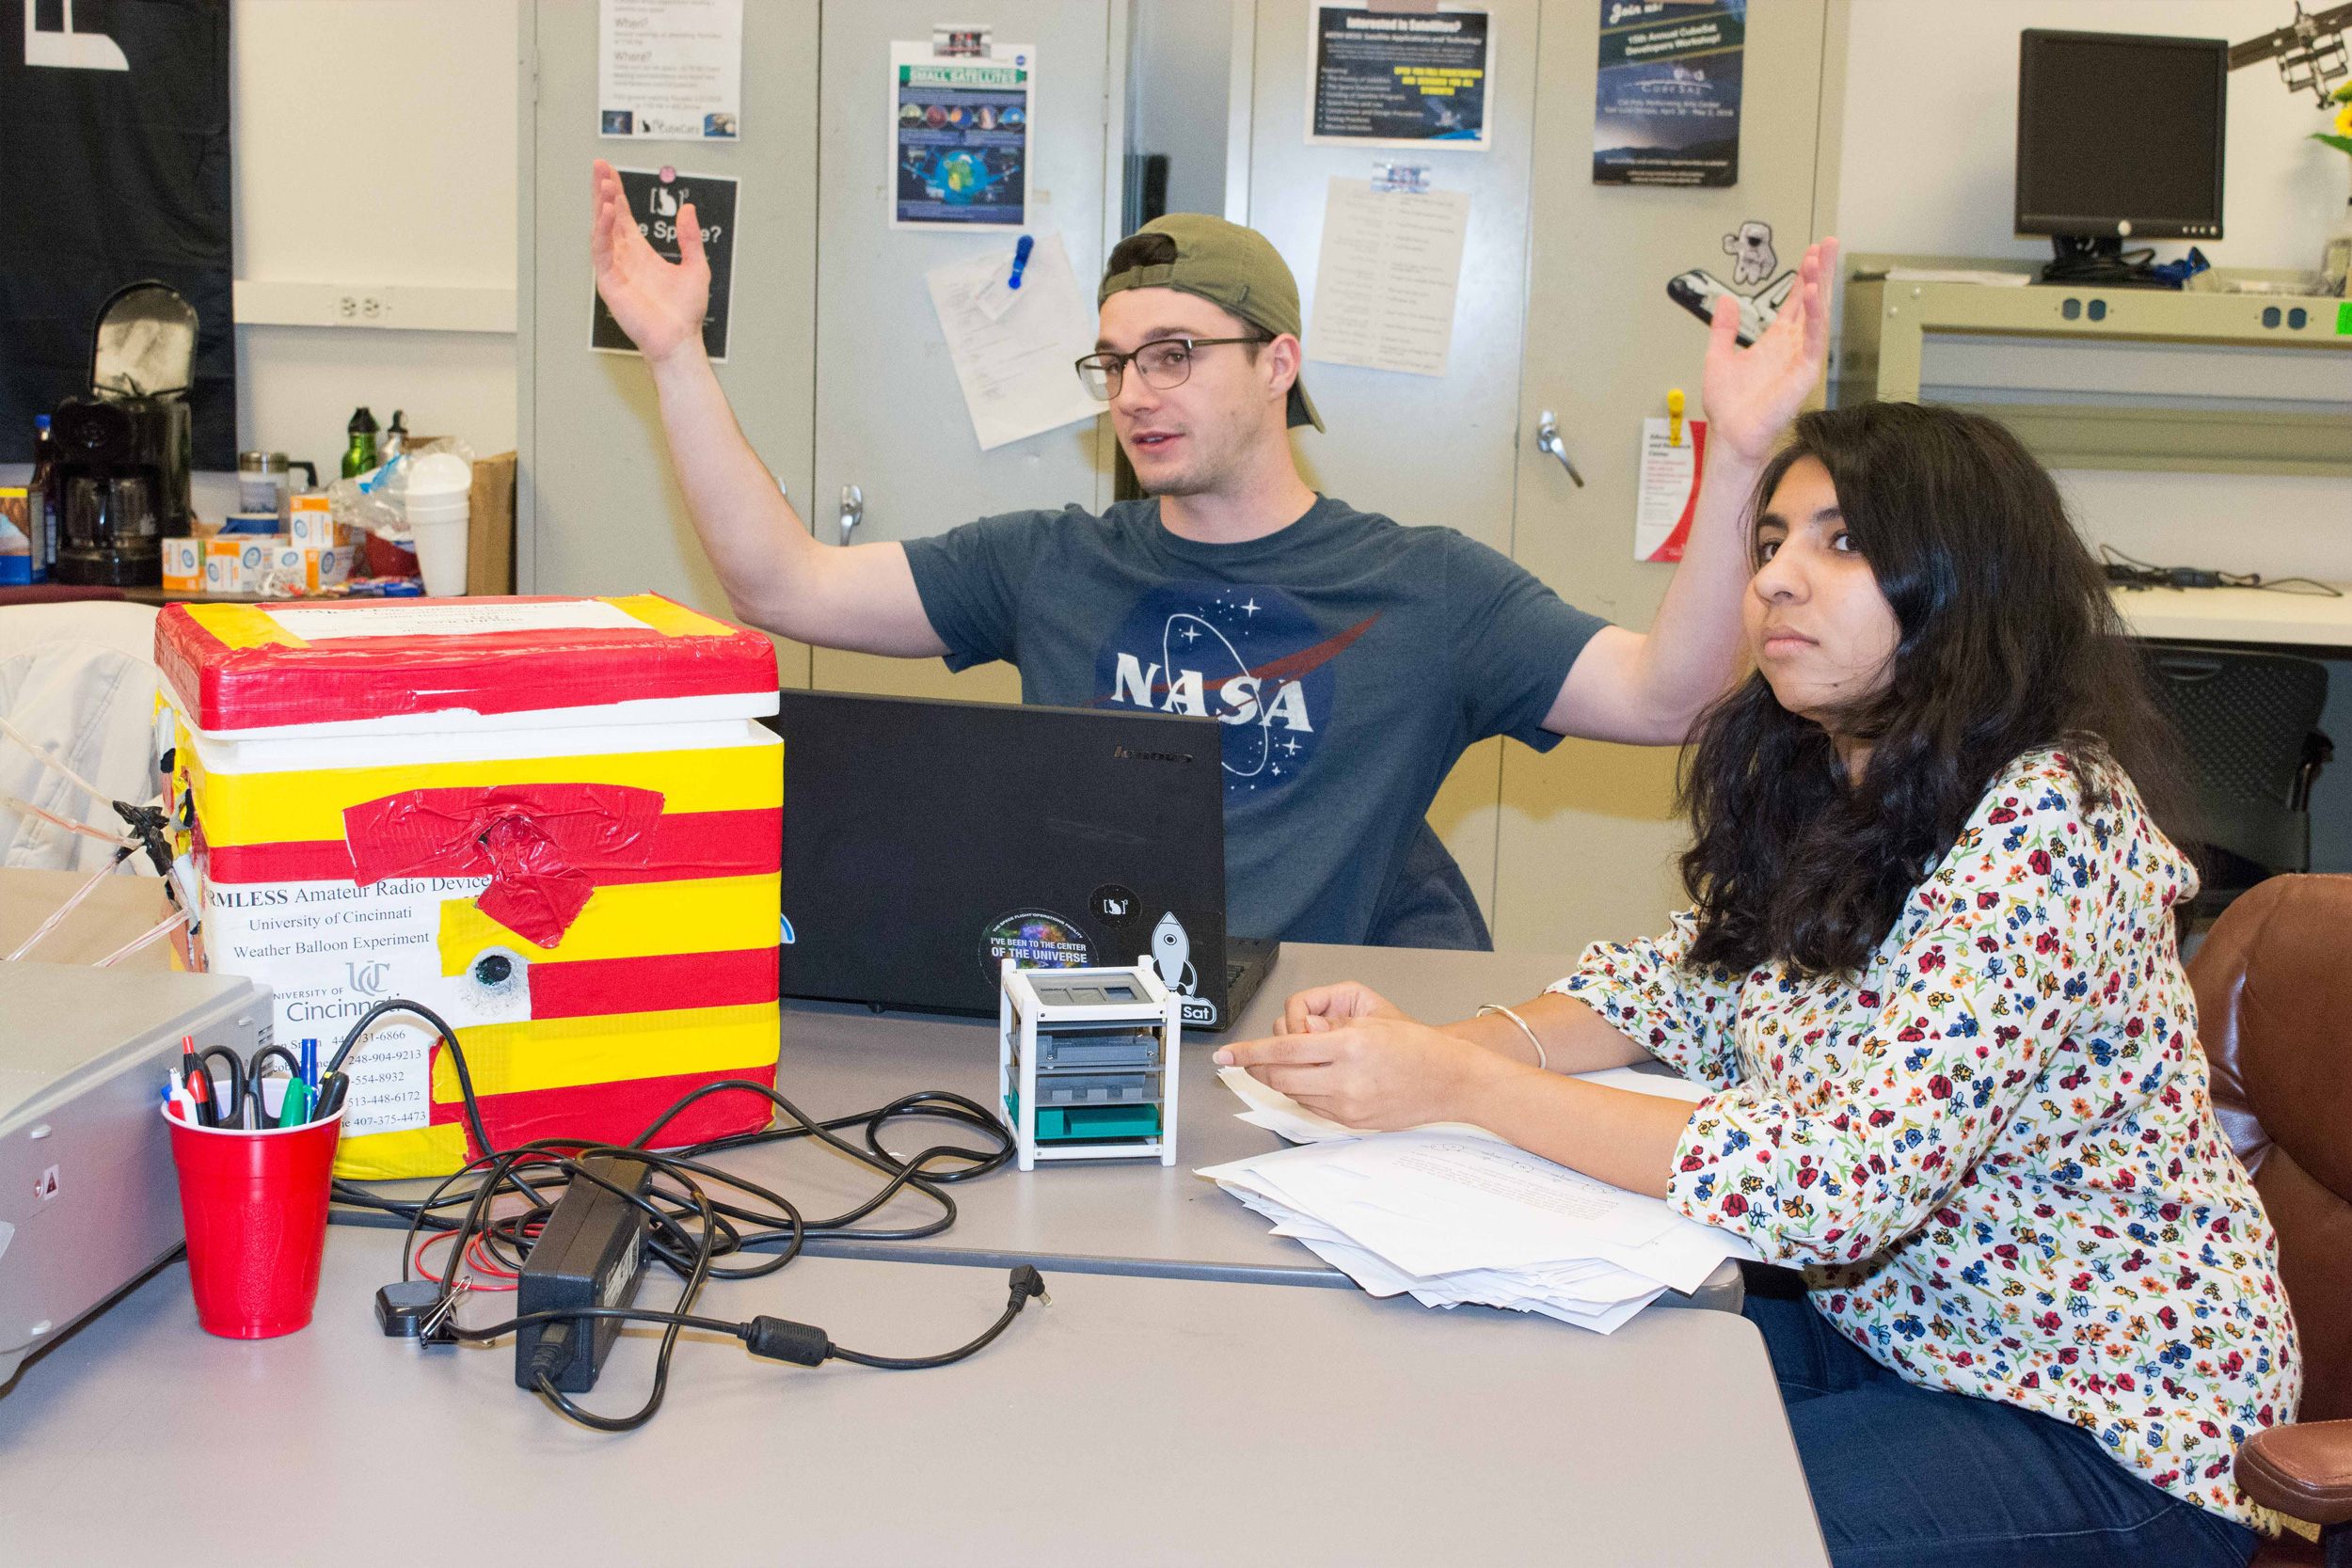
x: 2178, y: 380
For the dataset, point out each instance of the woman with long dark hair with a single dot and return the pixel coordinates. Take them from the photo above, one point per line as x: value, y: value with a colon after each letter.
x: 1930, y: 981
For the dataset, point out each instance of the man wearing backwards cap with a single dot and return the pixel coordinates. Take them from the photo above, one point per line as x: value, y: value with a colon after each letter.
x: 1350, y: 660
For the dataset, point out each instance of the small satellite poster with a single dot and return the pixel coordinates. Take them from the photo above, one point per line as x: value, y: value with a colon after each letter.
x: 1667, y: 107
x: 1399, y: 78
x: 960, y: 109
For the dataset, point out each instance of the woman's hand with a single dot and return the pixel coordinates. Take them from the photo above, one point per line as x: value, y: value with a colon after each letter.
x: 659, y: 304
x: 1373, y: 1069
x: 1752, y: 394
x: 1329, y: 1007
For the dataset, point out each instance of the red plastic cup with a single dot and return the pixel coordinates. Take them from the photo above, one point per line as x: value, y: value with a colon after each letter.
x: 254, y: 1203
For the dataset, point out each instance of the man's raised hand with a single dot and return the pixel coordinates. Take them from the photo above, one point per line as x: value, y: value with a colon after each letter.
x: 1752, y: 394
x: 660, y: 304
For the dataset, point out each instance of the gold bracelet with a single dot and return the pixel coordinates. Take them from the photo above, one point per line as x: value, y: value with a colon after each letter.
x: 1543, y: 1061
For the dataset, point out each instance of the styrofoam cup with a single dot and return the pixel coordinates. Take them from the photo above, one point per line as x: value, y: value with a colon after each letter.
x: 440, y: 552
x: 440, y: 473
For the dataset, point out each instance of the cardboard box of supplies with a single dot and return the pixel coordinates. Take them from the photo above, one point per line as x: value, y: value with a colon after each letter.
x: 555, y: 822
x: 184, y: 564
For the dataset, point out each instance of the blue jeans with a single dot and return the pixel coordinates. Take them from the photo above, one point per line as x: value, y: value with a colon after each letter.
x: 1907, y: 1477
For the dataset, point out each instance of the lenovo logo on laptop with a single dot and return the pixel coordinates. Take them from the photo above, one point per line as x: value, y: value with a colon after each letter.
x: 1125, y: 755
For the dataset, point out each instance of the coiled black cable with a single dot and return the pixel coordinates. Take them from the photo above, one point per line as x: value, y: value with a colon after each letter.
x: 679, y: 1195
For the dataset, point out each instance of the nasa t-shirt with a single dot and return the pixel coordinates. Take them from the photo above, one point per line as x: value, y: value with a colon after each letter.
x: 1350, y: 660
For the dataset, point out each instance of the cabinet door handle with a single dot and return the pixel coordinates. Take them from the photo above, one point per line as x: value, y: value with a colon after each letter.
x: 1548, y: 440
x: 852, y: 509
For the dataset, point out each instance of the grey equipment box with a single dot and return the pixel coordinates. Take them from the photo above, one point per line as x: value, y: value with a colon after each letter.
x: 89, y: 1204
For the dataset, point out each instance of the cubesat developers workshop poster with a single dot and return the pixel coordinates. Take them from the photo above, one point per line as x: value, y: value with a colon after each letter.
x: 1399, y: 78
x: 1668, y: 111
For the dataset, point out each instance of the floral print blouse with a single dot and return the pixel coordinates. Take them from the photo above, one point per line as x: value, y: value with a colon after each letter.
x: 1993, y: 1152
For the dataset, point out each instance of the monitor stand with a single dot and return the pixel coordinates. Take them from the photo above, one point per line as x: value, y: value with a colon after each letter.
x: 2100, y: 261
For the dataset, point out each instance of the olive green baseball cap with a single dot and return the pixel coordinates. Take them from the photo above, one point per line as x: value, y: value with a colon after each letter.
x: 1232, y: 267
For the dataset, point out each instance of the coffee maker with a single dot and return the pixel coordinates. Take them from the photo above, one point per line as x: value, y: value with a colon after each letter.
x: 123, y: 453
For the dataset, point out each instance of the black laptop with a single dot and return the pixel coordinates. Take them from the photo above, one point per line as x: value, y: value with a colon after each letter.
x: 926, y: 842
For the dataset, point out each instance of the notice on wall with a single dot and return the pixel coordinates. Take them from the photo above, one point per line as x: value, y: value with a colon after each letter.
x: 670, y: 70
x: 1666, y: 107
x: 656, y: 197
x: 1670, y: 470
x: 1016, y: 349
x: 1384, y: 289
x: 1399, y: 78
x: 960, y: 133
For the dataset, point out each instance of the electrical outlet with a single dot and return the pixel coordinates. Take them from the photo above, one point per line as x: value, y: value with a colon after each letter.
x: 364, y: 308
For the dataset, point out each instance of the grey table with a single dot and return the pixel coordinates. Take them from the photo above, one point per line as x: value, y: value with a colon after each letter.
x: 1114, y: 1217
x: 1136, y: 1217
x: 1132, y: 1420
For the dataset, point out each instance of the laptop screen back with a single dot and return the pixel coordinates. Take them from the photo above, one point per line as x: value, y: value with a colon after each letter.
x: 926, y: 841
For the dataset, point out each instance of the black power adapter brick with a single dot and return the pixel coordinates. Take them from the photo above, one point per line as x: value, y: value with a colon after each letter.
x: 591, y: 1253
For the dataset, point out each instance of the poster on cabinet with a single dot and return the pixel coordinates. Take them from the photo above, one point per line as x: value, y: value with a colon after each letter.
x: 1399, y: 78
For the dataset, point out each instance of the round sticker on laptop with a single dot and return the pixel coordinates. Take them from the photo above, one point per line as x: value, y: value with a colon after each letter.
x: 1034, y: 939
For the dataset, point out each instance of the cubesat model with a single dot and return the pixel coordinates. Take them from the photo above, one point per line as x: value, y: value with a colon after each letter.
x: 1087, y: 1063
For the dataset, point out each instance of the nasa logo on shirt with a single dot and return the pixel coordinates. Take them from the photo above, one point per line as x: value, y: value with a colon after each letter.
x: 1247, y: 655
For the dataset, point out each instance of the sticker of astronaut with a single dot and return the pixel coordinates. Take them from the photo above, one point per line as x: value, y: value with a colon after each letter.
x: 1761, y: 290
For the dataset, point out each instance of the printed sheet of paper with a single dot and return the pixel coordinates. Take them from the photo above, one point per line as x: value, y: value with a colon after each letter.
x: 1015, y: 365
x: 670, y: 70
x: 1669, y: 493
x: 1385, y: 286
x: 323, y: 624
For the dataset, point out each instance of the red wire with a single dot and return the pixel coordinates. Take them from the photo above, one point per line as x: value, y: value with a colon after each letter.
x: 477, y: 1254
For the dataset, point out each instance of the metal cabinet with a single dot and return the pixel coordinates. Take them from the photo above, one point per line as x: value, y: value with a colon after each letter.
x: 1562, y: 308
x: 837, y: 368
x: 1419, y: 448
x: 1588, y: 832
x: 596, y: 511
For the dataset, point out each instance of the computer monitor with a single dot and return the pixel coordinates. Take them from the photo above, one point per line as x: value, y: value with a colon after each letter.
x: 2120, y: 137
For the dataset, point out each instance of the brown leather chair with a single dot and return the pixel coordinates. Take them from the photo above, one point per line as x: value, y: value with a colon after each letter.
x: 2274, y: 1012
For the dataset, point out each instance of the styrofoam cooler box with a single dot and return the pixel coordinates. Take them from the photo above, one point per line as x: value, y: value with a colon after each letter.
x: 556, y: 822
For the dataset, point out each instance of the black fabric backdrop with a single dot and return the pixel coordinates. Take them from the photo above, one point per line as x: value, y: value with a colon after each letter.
x: 107, y: 177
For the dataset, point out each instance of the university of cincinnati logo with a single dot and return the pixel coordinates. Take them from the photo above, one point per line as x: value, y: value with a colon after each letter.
x: 1249, y: 656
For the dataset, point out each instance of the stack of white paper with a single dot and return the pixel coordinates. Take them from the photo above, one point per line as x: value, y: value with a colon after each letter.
x: 1452, y: 1214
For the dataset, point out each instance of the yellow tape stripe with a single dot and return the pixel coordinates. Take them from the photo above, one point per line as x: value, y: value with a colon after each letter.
x: 308, y: 805
x: 669, y: 618
x: 243, y: 626
x: 570, y: 1052
x: 632, y: 920
x: 399, y: 1156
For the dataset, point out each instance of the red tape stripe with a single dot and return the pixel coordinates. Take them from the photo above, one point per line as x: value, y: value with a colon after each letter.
x: 587, y: 987
x: 617, y: 1113
x: 687, y: 846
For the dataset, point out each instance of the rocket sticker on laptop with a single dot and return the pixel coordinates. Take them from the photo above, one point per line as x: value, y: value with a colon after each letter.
x: 1171, y: 955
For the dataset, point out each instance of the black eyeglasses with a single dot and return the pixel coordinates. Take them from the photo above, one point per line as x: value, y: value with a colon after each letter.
x: 1164, y: 364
